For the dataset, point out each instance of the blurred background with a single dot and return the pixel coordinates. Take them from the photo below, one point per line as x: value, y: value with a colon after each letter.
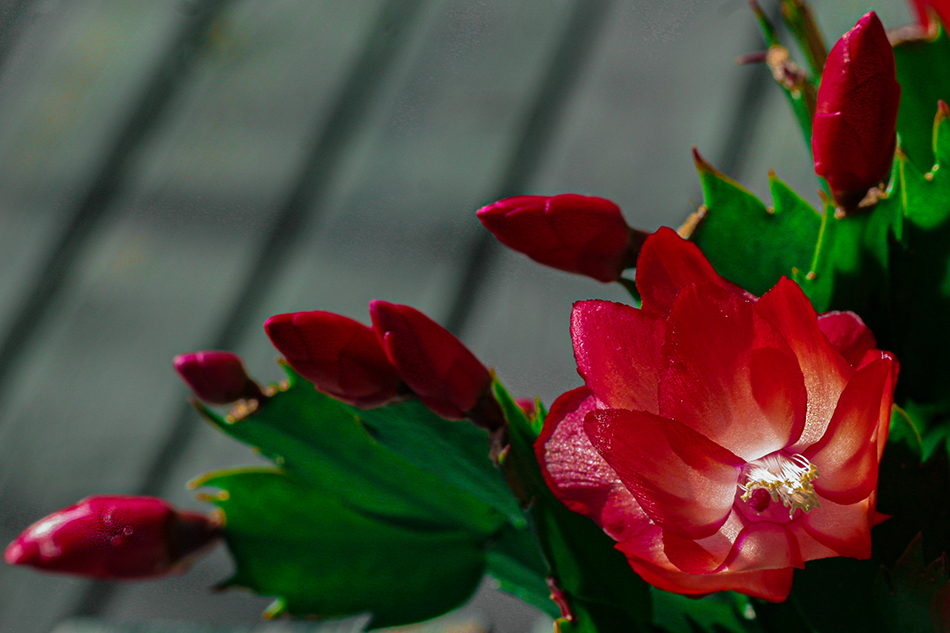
x: 174, y: 172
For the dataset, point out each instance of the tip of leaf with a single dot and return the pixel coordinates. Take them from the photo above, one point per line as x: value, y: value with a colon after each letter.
x: 277, y: 608
x: 702, y: 165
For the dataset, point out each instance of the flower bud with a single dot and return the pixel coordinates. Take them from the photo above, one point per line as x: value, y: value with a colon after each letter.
x: 437, y: 366
x: 854, y: 133
x: 217, y: 377
x: 114, y: 537
x: 342, y: 357
x: 579, y: 234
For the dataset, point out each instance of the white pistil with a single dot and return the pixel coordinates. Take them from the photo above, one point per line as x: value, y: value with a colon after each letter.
x: 787, y: 478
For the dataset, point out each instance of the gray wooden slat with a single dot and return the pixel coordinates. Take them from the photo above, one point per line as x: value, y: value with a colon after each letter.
x: 96, y: 392
x: 467, y: 110
x: 72, y: 73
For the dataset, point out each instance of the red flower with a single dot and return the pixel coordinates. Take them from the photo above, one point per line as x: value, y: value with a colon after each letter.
x: 114, y: 537
x: 579, y: 234
x: 216, y: 377
x: 720, y: 439
x: 854, y: 132
x: 342, y: 357
x: 923, y: 9
x: 446, y: 376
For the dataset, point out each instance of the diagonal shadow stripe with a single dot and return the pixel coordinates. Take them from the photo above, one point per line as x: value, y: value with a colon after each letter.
x: 564, y: 71
x: 391, y: 31
x: 578, y: 37
x: 167, y: 79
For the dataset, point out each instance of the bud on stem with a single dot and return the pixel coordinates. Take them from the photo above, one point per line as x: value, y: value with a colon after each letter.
x: 114, y: 537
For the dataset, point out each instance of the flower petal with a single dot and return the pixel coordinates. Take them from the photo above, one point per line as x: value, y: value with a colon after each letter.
x: 825, y: 371
x: 763, y: 545
x: 847, y: 455
x: 848, y: 334
x: 770, y: 584
x: 617, y: 348
x: 705, y: 555
x: 844, y: 528
x: 682, y: 480
x: 667, y: 262
x: 577, y: 474
x: 730, y: 375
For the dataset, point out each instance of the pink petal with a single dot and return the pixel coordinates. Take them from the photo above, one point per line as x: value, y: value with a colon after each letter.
x: 667, y: 262
x: 685, y: 482
x: 617, y: 348
x: 844, y: 528
x: 764, y: 545
x: 730, y: 374
x: 847, y: 455
x: 825, y: 371
x: 705, y: 555
x: 809, y: 547
x: 577, y: 474
x: 770, y: 584
x: 848, y: 334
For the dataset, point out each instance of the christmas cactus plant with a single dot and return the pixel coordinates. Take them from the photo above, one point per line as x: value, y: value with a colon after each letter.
x: 760, y: 442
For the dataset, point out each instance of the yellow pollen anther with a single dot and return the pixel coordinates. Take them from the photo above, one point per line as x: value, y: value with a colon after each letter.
x: 787, y: 478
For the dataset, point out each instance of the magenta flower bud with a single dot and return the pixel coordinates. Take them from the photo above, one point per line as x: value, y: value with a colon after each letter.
x: 579, y: 234
x: 342, y: 357
x: 442, y: 372
x: 217, y: 377
x: 114, y: 537
x: 854, y: 132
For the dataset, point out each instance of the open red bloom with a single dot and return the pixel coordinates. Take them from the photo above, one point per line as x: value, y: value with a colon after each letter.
x: 923, y: 9
x: 722, y: 440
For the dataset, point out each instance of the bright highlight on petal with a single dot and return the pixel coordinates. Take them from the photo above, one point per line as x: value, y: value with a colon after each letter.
x: 722, y: 440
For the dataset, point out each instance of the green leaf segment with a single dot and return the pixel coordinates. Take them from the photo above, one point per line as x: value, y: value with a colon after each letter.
x: 394, y: 511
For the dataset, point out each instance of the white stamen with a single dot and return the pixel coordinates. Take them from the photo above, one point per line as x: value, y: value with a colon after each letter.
x: 787, y: 478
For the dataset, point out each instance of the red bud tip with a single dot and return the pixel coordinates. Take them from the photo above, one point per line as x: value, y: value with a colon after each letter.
x: 114, y: 537
x: 216, y: 377
x: 854, y: 132
x: 441, y: 371
x: 342, y: 357
x: 527, y: 406
x: 578, y: 234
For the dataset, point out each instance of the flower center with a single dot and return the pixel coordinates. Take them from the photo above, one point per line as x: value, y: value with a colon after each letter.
x: 786, y: 478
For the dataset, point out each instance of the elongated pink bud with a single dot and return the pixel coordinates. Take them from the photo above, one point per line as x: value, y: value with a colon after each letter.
x: 216, y: 377
x: 342, y: 357
x: 114, y: 537
x: 437, y: 366
x: 854, y: 132
x: 579, y: 234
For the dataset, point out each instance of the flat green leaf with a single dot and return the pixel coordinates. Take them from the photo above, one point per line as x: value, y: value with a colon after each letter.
x: 456, y: 451
x: 906, y: 593
x: 923, y: 70
x: 322, y: 441
x: 738, y: 230
x: 920, y: 271
x: 724, y: 611
x: 321, y: 558
x: 516, y: 564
